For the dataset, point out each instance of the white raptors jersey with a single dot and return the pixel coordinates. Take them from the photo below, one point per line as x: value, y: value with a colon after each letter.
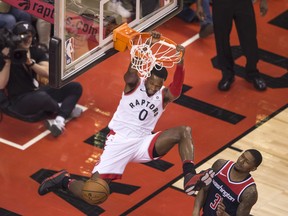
x: 137, y: 113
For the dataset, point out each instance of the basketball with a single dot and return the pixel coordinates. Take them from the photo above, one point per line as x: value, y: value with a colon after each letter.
x: 95, y: 191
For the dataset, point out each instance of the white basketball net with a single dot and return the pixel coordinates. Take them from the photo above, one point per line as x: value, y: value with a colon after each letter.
x: 145, y: 56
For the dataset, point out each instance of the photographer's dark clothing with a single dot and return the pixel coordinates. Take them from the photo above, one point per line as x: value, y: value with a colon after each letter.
x: 21, y: 76
x: 27, y: 98
x: 47, y: 99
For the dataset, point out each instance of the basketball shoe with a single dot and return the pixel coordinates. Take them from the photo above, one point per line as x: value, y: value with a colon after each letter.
x: 76, y: 112
x: 52, y: 182
x: 55, y: 127
x: 194, y: 182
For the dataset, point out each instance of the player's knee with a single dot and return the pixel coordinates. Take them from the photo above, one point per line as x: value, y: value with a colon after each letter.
x: 186, y: 131
x: 95, y: 191
x: 182, y: 133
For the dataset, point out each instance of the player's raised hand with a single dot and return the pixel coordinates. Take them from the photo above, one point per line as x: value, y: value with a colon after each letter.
x: 155, y: 36
x: 181, y: 49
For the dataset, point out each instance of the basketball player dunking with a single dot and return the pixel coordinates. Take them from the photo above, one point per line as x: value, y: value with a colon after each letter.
x: 131, y: 139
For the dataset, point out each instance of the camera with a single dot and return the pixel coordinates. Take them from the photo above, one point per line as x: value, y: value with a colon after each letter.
x: 11, y: 41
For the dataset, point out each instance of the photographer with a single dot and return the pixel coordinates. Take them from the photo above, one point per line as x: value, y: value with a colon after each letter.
x: 18, y: 75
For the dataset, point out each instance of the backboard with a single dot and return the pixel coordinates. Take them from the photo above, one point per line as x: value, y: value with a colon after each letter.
x: 83, y: 32
x: 83, y: 29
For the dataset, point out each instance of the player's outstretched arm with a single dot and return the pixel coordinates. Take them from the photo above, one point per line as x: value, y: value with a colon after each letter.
x: 175, y: 88
x: 181, y: 49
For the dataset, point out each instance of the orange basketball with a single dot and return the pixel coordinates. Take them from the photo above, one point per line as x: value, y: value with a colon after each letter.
x: 95, y: 191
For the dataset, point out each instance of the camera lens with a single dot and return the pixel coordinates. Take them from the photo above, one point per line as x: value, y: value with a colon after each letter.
x: 19, y: 56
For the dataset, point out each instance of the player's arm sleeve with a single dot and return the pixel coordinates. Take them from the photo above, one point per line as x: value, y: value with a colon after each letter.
x: 176, y: 86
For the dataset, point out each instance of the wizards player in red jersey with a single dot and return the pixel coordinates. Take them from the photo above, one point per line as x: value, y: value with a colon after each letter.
x: 232, y: 190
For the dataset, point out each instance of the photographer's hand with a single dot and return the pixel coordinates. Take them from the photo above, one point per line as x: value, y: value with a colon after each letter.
x: 5, y: 54
x: 40, y: 68
x: 29, y: 62
x: 5, y: 71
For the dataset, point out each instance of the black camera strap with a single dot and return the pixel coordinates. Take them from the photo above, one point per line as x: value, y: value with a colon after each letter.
x: 32, y: 74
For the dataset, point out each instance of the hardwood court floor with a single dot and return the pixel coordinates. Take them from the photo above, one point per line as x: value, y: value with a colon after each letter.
x: 223, y: 124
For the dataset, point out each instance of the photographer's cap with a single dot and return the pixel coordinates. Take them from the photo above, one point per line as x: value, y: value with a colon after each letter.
x: 23, y: 27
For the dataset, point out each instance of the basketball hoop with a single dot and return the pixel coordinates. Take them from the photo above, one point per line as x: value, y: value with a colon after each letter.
x: 146, y: 53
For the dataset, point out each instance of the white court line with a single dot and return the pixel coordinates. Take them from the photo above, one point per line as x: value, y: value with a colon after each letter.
x: 35, y: 139
x: 7, y: 142
x: 191, y: 40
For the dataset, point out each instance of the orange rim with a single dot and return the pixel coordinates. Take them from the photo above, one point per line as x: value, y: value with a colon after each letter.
x: 147, y: 35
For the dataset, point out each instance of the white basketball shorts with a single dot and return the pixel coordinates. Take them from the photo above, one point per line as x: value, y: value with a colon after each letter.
x: 119, y: 151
